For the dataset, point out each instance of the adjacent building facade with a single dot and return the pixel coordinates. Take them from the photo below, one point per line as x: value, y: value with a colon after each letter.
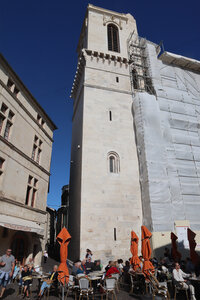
x: 135, y: 140
x: 26, y: 137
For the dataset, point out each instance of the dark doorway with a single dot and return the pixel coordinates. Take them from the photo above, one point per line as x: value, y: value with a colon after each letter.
x: 19, y: 247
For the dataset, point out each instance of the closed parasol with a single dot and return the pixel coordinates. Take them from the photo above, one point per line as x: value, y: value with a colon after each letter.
x: 135, y: 261
x: 146, y: 251
x: 175, y: 254
x: 63, y: 239
x: 193, y: 254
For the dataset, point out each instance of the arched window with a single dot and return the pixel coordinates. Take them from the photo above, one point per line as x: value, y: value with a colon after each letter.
x: 113, y: 38
x: 113, y: 162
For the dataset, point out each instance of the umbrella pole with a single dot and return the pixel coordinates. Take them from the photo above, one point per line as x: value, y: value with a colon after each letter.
x: 63, y: 292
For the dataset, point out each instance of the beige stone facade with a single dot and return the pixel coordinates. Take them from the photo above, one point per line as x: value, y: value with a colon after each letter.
x: 26, y: 137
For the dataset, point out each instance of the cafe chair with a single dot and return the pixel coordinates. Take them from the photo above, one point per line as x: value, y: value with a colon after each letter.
x: 71, y: 287
x: 178, y: 289
x: 109, y: 288
x: 52, y: 289
x: 158, y: 288
x: 85, y: 287
x: 116, y: 275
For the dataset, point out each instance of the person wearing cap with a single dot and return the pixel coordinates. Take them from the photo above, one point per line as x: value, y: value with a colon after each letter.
x: 7, y: 265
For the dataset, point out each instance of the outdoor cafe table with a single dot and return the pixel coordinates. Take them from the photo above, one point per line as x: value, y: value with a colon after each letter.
x: 94, y: 279
x: 40, y: 277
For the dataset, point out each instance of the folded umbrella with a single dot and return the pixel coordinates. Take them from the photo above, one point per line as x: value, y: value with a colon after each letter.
x: 146, y: 251
x: 63, y: 239
x: 135, y: 261
x: 175, y: 253
x: 193, y: 254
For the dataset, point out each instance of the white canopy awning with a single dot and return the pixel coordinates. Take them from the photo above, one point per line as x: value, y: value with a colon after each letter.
x: 20, y: 224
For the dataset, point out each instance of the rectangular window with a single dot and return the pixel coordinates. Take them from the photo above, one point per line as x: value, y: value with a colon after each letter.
x: 10, y: 115
x: 117, y: 79
x: 28, y: 191
x: 31, y: 191
x: 36, y: 152
x: 16, y: 91
x: 4, y: 108
x: 1, y: 122
x: 33, y: 152
x: 38, y: 118
x: 110, y: 115
x: 6, y: 116
x: 7, y: 130
x: 1, y: 165
x: 30, y: 179
x: 115, y: 234
x: 33, y: 197
x: 35, y: 139
x: 10, y: 83
x: 38, y: 155
x: 42, y: 122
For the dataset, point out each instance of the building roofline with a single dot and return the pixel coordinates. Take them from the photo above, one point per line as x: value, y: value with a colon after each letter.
x: 107, y: 11
x: 180, y: 61
x: 25, y: 90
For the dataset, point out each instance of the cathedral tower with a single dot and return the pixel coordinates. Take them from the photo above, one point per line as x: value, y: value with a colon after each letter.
x: 105, y: 199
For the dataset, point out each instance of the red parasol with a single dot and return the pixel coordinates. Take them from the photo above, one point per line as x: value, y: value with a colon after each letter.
x: 175, y: 254
x: 63, y: 239
x: 135, y: 261
x: 191, y: 238
x: 146, y: 250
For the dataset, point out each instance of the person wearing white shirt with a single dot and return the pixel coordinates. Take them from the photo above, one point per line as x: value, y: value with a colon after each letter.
x: 178, y: 276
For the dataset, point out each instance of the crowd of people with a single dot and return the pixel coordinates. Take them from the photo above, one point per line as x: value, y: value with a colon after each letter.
x: 165, y: 269
x: 12, y: 270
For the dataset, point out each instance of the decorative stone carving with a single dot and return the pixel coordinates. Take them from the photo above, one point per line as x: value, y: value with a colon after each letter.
x: 113, y: 19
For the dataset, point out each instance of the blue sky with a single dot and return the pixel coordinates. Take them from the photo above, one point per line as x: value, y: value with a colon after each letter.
x: 39, y: 39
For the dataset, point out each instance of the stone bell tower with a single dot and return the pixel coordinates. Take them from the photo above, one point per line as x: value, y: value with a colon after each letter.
x: 105, y: 199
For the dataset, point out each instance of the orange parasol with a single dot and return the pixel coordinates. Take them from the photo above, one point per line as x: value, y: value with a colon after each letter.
x: 146, y: 251
x: 135, y: 261
x: 63, y: 239
x: 191, y: 238
x: 175, y: 254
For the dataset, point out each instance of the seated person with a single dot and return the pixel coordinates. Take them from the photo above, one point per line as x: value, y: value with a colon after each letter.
x: 16, y: 272
x: 27, y: 279
x: 53, y: 279
x: 112, y: 270
x: 126, y: 276
x: 88, y: 265
x: 81, y: 269
x: 75, y: 267
x: 108, y: 266
x: 178, y: 276
x: 120, y: 265
x: 97, y: 265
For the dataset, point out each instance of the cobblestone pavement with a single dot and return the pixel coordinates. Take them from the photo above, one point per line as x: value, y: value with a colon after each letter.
x: 11, y: 292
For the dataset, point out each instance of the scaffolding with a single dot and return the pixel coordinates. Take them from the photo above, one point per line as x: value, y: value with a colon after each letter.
x: 139, y: 65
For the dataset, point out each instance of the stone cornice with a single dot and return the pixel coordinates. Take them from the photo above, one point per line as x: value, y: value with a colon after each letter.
x: 108, y: 12
x: 23, y: 154
x: 16, y: 203
x: 78, y: 74
x: 107, y: 89
x: 24, y: 108
x: 100, y: 56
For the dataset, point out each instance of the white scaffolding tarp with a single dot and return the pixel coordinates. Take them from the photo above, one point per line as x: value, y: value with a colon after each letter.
x: 168, y: 141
